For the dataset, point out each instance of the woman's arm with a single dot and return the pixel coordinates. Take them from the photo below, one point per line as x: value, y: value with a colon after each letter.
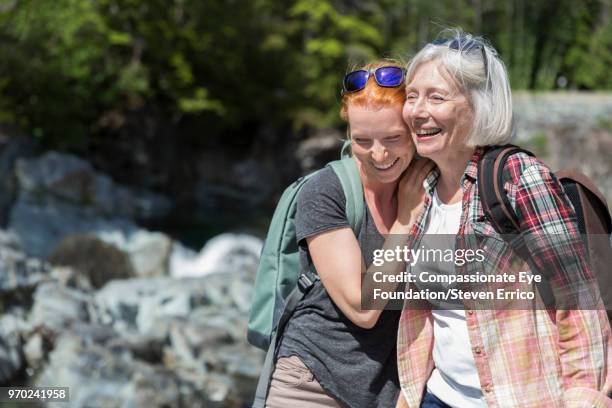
x: 339, y: 262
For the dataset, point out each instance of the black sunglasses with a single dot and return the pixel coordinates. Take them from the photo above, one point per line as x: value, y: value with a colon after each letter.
x: 464, y: 44
x: 387, y: 77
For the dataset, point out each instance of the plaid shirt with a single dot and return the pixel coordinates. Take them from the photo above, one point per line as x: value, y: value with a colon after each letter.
x: 524, y: 358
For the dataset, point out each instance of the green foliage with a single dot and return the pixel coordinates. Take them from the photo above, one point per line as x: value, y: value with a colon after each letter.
x: 233, y: 67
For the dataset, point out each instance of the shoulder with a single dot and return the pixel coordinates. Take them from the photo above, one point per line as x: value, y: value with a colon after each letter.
x: 537, y: 196
x: 321, y: 204
x: 521, y: 165
x: 324, y: 183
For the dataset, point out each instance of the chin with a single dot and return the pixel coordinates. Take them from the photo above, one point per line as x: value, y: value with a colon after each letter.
x: 431, y: 147
x: 428, y: 150
x: 390, y: 178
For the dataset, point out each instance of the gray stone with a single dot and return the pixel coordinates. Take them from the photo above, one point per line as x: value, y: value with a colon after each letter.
x: 149, y: 252
x: 98, y: 376
x: 56, y: 307
x: 34, y: 351
x: 74, y: 180
x: 42, y: 225
x: 140, y: 304
x: 11, y: 354
x: 60, y: 195
x: 18, y: 273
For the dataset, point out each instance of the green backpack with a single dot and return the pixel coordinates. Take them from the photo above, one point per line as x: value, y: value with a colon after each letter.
x: 280, y: 283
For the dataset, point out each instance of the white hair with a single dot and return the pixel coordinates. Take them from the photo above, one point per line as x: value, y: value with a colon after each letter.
x: 481, y: 76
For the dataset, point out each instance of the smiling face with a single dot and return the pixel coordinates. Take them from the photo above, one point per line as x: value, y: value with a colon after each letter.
x: 438, y: 114
x: 380, y: 142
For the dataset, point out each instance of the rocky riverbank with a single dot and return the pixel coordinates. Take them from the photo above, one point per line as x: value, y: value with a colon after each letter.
x: 124, y: 316
x: 135, y: 341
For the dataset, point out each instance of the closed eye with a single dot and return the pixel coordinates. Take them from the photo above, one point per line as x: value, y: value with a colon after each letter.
x: 436, y: 98
x: 361, y: 141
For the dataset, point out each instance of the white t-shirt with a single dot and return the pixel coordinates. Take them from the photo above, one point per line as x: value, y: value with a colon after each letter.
x: 454, y: 379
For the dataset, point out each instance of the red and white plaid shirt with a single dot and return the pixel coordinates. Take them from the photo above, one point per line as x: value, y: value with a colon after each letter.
x: 524, y: 358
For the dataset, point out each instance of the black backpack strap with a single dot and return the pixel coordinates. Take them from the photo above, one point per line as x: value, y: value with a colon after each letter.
x: 495, y: 202
x: 305, y: 282
x: 499, y: 212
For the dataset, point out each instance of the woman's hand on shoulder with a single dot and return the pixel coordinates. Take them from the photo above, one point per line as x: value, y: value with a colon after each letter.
x: 410, y: 193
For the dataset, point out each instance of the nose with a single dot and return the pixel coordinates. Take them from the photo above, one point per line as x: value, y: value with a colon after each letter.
x: 416, y: 109
x: 378, y: 151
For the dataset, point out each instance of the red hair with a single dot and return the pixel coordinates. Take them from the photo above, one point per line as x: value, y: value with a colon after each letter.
x: 374, y: 96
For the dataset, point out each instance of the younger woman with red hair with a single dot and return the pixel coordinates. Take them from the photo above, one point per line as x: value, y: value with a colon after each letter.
x: 333, y: 352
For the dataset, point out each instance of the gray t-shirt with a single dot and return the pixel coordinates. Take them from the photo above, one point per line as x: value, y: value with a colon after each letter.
x: 356, y: 366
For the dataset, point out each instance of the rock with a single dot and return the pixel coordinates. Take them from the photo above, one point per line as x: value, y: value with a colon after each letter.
x: 99, y: 376
x: 56, y: 307
x: 147, y: 305
x: 11, y: 354
x: 41, y: 226
x: 225, y: 252
x: 34, y: 351
x: 74, y: 180
x: 149, y: 252
x: 19, y: 274
x: 319, y: 149
x: 92, y: 259
x: 61, y: 195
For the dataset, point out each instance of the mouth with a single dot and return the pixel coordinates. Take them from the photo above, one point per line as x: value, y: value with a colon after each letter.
x: 427, y: 133
x: 385, y: 167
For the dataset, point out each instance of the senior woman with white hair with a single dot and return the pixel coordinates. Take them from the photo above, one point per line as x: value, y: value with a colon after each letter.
x: 458, y: 103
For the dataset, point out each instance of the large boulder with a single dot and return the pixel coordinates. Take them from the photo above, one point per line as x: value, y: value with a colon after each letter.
x: 60, y: 195
x: 74, y: 180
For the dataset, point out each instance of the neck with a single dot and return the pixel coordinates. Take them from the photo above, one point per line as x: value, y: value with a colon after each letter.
x: 451, y: 171
x: 379, y: 193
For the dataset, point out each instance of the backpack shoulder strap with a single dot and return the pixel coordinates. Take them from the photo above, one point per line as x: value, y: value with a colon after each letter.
x: 495, y: 202
x: 347, y: 172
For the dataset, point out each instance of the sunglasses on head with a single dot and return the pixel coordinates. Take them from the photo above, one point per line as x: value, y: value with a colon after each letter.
x: 387, y: 77
x: 463, y: 44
